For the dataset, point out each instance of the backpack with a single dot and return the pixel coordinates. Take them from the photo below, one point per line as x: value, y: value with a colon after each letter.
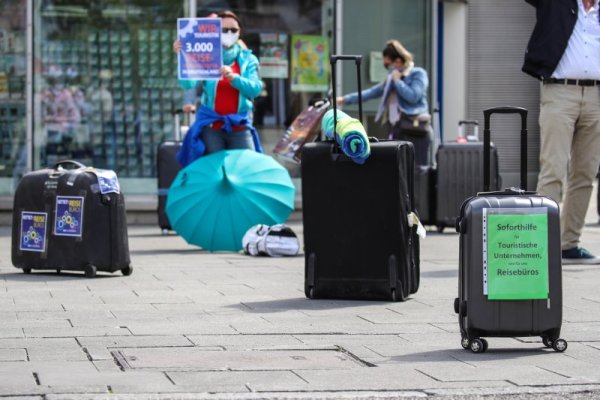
x: 275, y: 241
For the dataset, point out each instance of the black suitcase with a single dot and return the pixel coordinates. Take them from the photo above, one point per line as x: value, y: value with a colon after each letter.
x: 459, y: 167
x: 357, y: 240
x: 509, y: 260
x: 167, y: 168
x: 425, y: 190
x: 66, y: 219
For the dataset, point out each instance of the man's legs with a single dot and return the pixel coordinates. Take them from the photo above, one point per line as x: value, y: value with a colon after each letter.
x: 585, y: 156
x: 558, y: 112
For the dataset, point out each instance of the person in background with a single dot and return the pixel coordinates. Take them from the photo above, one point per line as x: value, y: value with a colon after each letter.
x: 404, y: 91
x: 564, y: 53
x: 224, y: 118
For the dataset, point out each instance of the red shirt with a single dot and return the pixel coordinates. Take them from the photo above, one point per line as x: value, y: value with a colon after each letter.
x: 227, y: 98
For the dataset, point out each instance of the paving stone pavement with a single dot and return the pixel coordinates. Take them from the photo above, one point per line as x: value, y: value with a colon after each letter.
x: 191, y: 324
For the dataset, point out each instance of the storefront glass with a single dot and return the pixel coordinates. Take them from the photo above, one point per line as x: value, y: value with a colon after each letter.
x: 105, y: 77
x: 13, y: 157
x: 105, y: 83
x: 105, y: 80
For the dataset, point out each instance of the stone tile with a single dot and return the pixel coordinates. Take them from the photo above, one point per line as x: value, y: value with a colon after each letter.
x: 11, y: 332
x: 199, y: 359
x: 75, y: 331
x: 58, y: 378
x: 239, y: 381
x: 13, y: 355
x: 245, y: 342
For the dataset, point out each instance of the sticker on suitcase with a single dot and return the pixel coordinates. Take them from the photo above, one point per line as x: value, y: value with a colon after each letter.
x: 515, y: 259
x: 69, y: 216
x: 107, y: 180
x: 33, y: 231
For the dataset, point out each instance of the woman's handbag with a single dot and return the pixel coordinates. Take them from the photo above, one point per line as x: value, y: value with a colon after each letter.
x: 415, y: 125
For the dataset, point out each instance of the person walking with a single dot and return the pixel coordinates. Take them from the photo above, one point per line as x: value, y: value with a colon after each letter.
x: 403, y: 98
x: 564, y: 53
x: 224, y: 118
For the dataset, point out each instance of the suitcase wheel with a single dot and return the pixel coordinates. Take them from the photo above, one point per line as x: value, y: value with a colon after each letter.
x: 478, y: 345
x: 465, y: 343
x: 26, y: 270
x: 309, y: 292
x: 547, y: 341
x: 559, y: 345
x: 127, y: 270
x: 90, y: 271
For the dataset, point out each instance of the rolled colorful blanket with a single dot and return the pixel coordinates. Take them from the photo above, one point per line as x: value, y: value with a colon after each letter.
x: 351, y: 135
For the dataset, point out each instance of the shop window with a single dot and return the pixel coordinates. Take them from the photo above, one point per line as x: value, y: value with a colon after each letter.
x: 13, y: 157
x: 105, y: 83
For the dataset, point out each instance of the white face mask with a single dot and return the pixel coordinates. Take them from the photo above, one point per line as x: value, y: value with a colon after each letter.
x: 228, y: 39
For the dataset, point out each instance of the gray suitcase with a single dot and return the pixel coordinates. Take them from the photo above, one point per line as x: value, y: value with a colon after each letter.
x: 509, y: 260
x: 459, y: 167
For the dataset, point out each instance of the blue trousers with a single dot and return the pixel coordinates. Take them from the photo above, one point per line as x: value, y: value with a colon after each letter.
x: 216, y: 140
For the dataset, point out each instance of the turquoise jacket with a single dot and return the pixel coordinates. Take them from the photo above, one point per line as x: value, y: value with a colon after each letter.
x: 247, y: 82
x: 411, y: 92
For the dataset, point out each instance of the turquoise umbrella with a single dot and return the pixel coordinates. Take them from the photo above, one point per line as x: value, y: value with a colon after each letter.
x: 217, y: 198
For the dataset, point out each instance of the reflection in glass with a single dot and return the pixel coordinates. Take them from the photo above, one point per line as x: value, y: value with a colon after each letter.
x: 105, y: 82
x: 13, y: 157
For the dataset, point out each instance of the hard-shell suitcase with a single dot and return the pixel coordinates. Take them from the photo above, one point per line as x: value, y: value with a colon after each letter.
x: 357, y: 240
x: 509, y: 260
x: 167, y: 168
x: 70, y: 219
x: 459, y: 167
x: 304, y: 129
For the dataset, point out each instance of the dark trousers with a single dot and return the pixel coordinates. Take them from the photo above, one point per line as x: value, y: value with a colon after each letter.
x: 421, y: 144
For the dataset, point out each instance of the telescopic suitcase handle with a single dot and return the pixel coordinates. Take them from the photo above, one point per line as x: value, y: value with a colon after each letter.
x: 333, y: 60
x: 487, y: 142
x: 177, y: 124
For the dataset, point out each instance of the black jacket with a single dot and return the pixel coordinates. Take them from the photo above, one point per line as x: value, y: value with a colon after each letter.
x: 555, y: 22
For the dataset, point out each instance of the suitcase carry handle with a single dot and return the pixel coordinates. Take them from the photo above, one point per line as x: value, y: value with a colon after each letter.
x: 177, y: 124
x: 487, y: 142
x: 333, y: 60
x: 73, y: 163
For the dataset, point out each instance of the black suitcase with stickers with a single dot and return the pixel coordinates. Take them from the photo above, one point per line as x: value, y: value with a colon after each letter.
x: 357, y: 240
x: 509, y: 260
x: 70, y: 218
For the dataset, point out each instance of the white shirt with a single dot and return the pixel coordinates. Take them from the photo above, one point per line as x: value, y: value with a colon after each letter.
x: 581, y: 59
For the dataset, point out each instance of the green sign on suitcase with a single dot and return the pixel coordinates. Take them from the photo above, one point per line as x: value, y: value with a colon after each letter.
x: 515, y: 253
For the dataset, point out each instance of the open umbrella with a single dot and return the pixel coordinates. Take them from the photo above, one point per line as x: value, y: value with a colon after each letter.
x: 217, y: 198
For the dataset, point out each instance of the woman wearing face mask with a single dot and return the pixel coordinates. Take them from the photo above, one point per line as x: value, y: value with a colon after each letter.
x: 224, y: 118
x: 404, y: 91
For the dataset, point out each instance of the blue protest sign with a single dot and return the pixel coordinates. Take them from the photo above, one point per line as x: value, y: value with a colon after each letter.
x: 200, y: 56
x: 68, y: 219
x: 33, y: 231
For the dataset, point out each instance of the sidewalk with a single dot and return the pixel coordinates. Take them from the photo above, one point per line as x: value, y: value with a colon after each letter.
x: 189, y: 324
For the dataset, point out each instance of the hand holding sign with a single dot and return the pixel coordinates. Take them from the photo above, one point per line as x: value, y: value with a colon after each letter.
x: 199, y: 48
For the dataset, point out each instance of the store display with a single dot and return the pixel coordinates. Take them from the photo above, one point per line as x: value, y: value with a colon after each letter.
x: 107, y: 100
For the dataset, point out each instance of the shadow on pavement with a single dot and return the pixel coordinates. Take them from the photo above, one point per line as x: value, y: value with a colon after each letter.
x: 156, y: 252
x: 302, y: 303
x: 446, y: 273
x: 459, y: 354
x: 38, y: 276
